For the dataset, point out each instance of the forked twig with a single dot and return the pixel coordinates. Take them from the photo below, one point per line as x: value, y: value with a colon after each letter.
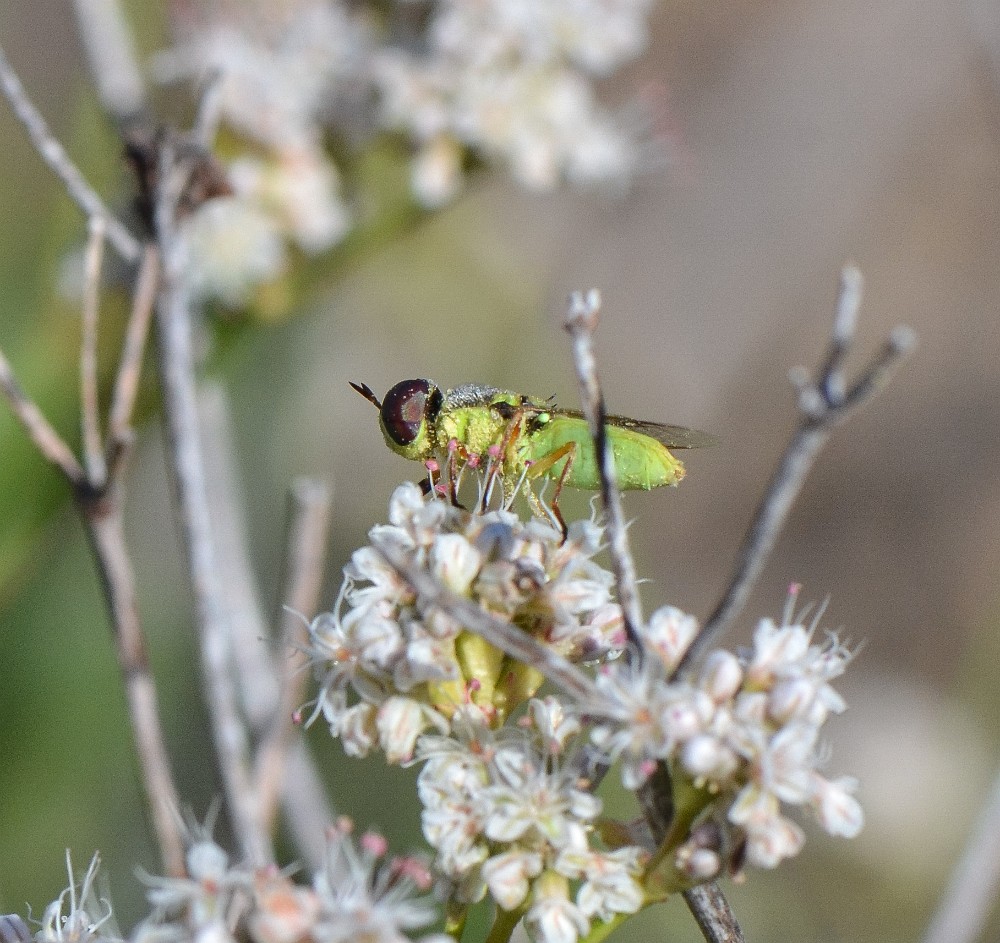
x: 58, y: 161
x: 823, y: 403
x: 40, y: 431
x: 581, y: 322
x: 99, y: 503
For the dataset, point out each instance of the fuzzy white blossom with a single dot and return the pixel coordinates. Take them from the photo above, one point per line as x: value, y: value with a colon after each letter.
x: 507, y: 814
x: 512, y: 81
x: 507, y: 807
x: 415, y: 668
x: 745, y: 729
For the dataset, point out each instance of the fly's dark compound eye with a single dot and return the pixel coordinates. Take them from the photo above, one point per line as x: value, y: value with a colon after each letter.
x: 405, y: 408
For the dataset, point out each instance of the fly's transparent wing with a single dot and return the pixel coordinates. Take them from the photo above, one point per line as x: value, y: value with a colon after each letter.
x: 673, y: 437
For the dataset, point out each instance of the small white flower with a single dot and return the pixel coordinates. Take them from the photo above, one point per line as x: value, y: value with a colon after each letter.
x: 553, y: 917
x: 775, y: 648
x: 698, y: 864
x: 706, y: 758
x: 771, y: 840
x: 669, y: 633
x: 554, y: 723
x: 836, y: 808
x: 507, y: 876
x: 364, y: 897
x: 358, y: 730
x: 610, y: 880
x: 400, y: 721
x: 454, y: 562
x: 283, y: 912
x: 721, y: 676
x: 233, y: 246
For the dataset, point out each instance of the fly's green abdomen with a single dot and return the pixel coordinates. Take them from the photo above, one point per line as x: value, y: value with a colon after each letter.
x: 640, y: 461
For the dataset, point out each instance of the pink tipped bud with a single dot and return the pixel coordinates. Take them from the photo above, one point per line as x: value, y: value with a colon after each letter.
x: 374, y: 843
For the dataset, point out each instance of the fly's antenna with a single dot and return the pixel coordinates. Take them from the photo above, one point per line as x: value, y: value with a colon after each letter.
x: 366, y: 391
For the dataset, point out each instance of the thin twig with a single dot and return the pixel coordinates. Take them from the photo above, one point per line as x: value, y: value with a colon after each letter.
x: 581, y: 322
x: 177, y: 380
x: 713, y: 914
x: 130, y: 363
x: 824, y: 403
x: 111, y: 56
x: 306, y: 807
x: 255, y: 673
x: 99, y: 506
x: 709, y: 907
x: 45, y: 438
x: 206, y: 123
x: 971, y: 894
x: 90, y: 420
x: 103, y: 521
x: 499, y: 633
x: 58, y: 161
x: 308, y: 527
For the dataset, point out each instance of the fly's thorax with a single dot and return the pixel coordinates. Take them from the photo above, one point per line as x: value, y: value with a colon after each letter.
x: 475, y: 428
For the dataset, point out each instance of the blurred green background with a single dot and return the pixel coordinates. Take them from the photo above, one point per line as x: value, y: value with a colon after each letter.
x: 804, y: 134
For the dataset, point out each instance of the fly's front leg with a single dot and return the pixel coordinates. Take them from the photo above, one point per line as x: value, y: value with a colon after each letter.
x: 498, y: 453
x: 456, y: 453
x: 544, y: 466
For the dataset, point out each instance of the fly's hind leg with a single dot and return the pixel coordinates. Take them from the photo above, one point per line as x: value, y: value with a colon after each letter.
x: 543, y: 466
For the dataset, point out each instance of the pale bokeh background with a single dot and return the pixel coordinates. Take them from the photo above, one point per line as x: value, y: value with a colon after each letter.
x: 804, y: 134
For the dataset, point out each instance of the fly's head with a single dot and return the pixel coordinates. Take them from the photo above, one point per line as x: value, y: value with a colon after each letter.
x: 407, y: 416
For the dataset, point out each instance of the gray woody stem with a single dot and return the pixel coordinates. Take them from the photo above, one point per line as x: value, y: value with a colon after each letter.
x: 99, y: 504
x: 581, y: 322
x: 308, y: 527
x: 823, y: 404
x: 707, y: 903
x: 177, y: 381
x: 971, y: 894
x: 53, y: 153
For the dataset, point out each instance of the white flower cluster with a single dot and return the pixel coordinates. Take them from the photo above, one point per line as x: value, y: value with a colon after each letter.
x: 388, y: 670
x: 743, y: 730
x: 360, y: 894
x: 277, y: 66
x: 505, y: 811
x: 510, y: 81
x: 505, y: 805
